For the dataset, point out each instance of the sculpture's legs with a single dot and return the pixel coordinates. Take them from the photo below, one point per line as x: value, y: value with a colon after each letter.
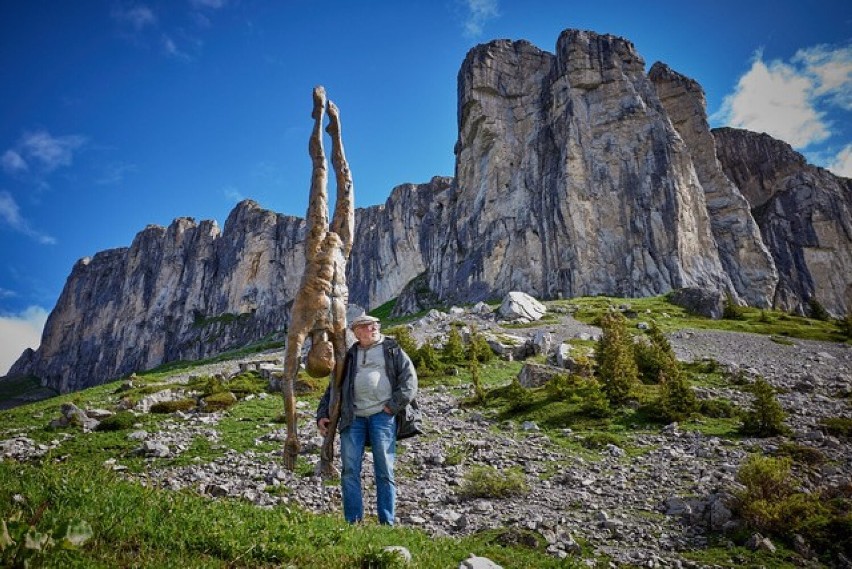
x: 299, y: 328
x: 343, y: 221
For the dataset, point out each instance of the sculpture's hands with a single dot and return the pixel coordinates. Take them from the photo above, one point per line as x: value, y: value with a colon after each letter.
x: 322, y: 425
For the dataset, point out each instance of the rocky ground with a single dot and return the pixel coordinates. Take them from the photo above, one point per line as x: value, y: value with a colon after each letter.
x: 644, y: 508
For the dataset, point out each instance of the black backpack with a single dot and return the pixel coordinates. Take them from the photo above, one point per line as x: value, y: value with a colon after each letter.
x: 409, y: 421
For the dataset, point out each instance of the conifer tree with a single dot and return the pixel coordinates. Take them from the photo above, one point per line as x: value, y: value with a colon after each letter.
x: 616, y: 363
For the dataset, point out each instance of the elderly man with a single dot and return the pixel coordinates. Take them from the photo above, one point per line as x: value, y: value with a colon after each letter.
x: 379, y: 381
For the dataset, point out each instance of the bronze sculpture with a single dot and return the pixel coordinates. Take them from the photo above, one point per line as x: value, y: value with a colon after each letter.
x: 319, y: 309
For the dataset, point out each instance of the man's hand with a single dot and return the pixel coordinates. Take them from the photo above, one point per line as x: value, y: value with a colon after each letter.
x: 322, y: 425
x: 388, y: 410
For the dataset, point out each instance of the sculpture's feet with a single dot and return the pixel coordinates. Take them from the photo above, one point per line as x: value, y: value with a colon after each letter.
x: 291, y: 452
x: 319, y: 102
x: 333, y: 127
x: 327, y: 470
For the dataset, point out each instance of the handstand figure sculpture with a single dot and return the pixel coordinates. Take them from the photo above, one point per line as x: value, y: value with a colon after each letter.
x: 319, y: 309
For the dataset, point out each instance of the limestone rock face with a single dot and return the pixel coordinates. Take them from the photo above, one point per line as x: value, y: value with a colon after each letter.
x: 393, y: 241
x: 741, y: 249
x: 805, y: 216
x: 570, y: 179
x: 181, y: 292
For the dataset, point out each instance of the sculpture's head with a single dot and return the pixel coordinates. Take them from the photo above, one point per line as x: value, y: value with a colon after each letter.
x: 320, y: 360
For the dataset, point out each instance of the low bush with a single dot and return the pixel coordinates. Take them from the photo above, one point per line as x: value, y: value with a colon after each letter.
x: 118, y: 422
x: 489, y: 482
x: 597, y: 441
x: 219, y: 401
x: 837, y: 426
x: 172, y: 406
x: 802, y: 454
x: 766, y: 417
x: 519, y: 397
x: 677, y: 400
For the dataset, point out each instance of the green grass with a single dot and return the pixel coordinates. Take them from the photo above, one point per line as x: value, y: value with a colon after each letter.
x: 669, y: 318
x: 136, y: 526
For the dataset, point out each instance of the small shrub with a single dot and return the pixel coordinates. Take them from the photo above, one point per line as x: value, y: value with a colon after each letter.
x: 219, y: 401
x: 478, y: 347
x: 246, y: 383
x: 732, y: 310
x: 406, y: 341
x: 382, y: 558
x: 453, y: 352
x: 427, y: 358
x: 519, y: 397
x: 769, y: 502
x: 616, y: 363
x: 845, y: 325
x: 837, y: 426
x: 802, y: 454
x: 677, y: 400
x: 655, y: 356
x: 766, y: 417
x: 118, y: 422
x: 489, y: 482
x: 172, y: 406
x: 595, y: 403
x: 818, y: 311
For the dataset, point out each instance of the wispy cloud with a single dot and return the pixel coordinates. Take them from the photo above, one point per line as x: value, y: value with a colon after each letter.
x: 13, y: 163
x: 137, y: 17
x: 208, y: 4
x: 47, y: 151
x: 19, y: 332
x: 10, y: 216
x: 232, y: 194
x: 477, y: 13
x: 6, y: 293
x: 841, y: 164
x: 114, y: 173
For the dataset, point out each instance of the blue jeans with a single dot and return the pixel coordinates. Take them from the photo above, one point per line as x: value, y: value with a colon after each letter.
x: 381, y: 431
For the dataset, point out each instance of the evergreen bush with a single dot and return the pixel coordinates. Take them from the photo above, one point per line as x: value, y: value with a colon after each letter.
x: 766, y: 417
x: 118, y: 422
x: 453, y: 352
x: 172, y: 406
x: 615, y: 358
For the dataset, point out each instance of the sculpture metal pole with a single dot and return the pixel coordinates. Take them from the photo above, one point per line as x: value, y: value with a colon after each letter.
x: 319, y: 309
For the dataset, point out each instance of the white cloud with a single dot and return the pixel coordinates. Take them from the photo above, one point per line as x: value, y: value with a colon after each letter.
x: 478, y: 13
x: 19, y: 332
x: 792, y: 100
x: 775, y: 99
x: 832, y: 70
x: 137, y: 17
x: 842, y: 163
x: 47, y: 151
x: 10, y: 216
x: 13, y: 163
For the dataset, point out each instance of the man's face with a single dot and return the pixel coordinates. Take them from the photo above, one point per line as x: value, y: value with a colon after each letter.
x: 367, y: 334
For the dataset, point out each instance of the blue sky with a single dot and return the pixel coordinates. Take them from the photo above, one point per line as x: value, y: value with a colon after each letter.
x: 117, y: 114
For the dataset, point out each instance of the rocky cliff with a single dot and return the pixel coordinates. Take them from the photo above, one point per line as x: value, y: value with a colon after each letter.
x: 576, y: 174
x: 805, y: 216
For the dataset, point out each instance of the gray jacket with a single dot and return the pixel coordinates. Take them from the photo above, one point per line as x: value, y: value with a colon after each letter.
x: 400, y: 372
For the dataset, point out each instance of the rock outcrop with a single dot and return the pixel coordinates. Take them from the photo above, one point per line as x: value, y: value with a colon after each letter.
x: 576, y: 174
x: 741, y: 249
x: 570, y: 179
x: 805, y: 216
